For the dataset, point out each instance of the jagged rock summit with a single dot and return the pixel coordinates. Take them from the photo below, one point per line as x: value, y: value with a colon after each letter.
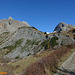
x: 11, y: 25
x: 10, y: 17
x: 63, y: 27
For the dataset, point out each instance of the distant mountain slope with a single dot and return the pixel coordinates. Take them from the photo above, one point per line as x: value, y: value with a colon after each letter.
x: 19, y: 39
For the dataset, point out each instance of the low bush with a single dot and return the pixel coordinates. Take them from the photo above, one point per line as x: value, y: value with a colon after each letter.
x: 34, y: 28
x: 17, y: 57
x: 50, y: 62
x: 53, y: 41
x: 44, y: 42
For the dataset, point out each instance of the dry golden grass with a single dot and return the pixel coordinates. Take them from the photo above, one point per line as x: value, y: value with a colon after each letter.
x: 22, y: 64
x: 48, y: 71
x: 19, y: 66
x: 63, y: 59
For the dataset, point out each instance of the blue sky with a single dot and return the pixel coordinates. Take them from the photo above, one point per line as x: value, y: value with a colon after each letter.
x: 42, y: 14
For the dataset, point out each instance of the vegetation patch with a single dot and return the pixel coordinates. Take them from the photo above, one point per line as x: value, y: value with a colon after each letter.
x: 18, y: 42
x: 48, y: 64
x: 50, y: 43
x: 17, y: 57
x: 3, y: 34
x: 44, y: 42
x: 29, y: 44
x: 22, y: 27
x: 34, y: 28
x: 45, y: 32
x: 13, y: 46
x: 48, y: 58
x: 32, y: 42
x: 25, y: 62
x: 53, y: 41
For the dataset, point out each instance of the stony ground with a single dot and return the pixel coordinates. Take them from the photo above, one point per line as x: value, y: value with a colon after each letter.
x: 68, y: 67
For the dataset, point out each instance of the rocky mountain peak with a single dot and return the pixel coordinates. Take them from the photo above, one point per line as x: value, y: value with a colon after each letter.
x: 25, y: 23
x: 62, y: 23
x: 11, y: 25
x: 10, y: 17
x: 62, y: 27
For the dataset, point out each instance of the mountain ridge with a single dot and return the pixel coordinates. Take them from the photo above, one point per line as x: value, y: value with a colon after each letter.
x: 63, y: 27
x: 19, y: 39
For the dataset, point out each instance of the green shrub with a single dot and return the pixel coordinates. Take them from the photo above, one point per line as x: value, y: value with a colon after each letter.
x: 17, y: 57
x: 31, y: 42
x: 53, y: 41
x: 44, y: 42
x: 45, y: 32
x: 34, y: 28
x: 9, y: 47
x: 18, y: 42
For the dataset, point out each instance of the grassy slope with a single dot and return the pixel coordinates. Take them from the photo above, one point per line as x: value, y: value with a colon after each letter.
x: 47, y: 66
x: 19, y: 66
x: 25, y: 62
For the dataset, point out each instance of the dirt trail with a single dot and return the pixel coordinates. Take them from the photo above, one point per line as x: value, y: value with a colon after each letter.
x: 68, y: 67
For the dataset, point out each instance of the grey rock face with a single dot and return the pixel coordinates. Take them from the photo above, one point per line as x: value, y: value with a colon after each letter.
x: 11, y: 25
x: 10, y: 17
x: 63, y: 27
x: 63, y: 39
x: 68, y: 67
x: 19, y: 38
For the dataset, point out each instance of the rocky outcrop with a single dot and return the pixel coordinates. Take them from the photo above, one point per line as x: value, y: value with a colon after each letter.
x: 68, y: 67
x: 19, y: 38
x: 10, y: 17
x: 63, y: 27
x: 11, y: 25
